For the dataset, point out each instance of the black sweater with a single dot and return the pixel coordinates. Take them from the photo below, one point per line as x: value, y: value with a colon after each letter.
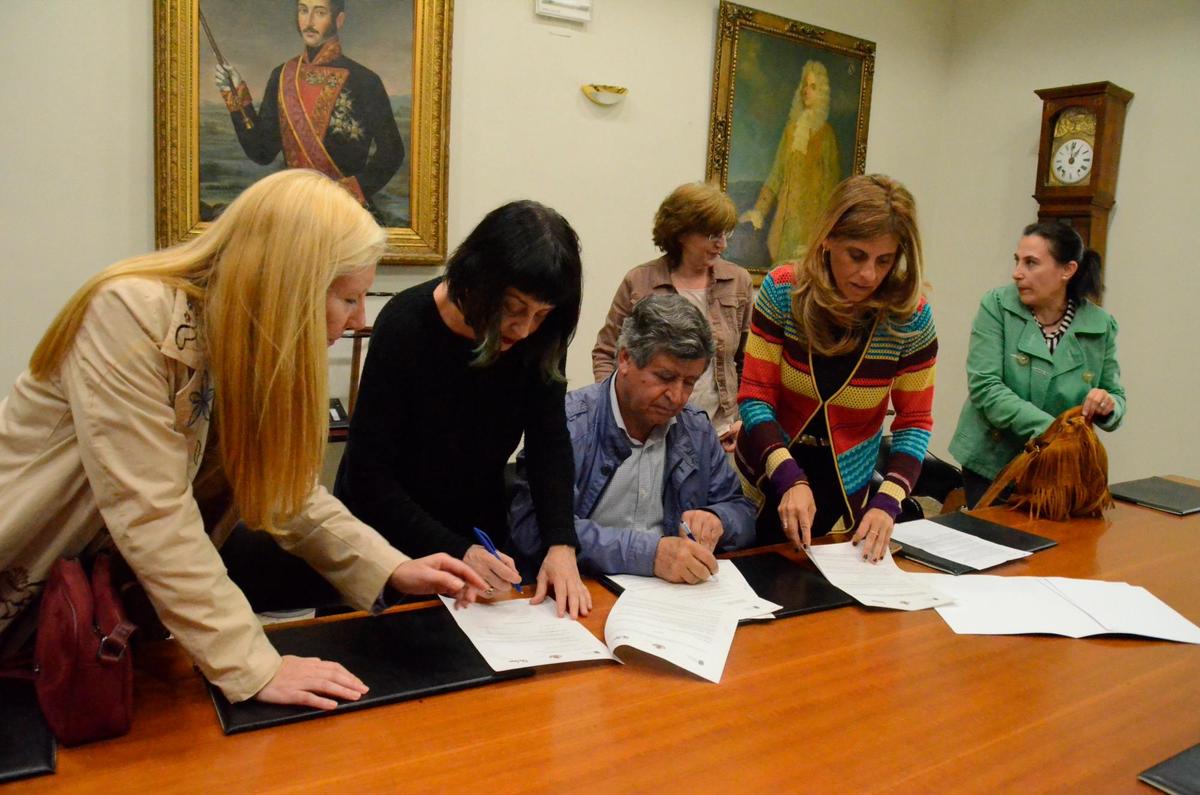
x: 431, y: 434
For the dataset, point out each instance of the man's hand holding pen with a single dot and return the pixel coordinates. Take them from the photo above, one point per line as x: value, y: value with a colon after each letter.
x: 683, y: 558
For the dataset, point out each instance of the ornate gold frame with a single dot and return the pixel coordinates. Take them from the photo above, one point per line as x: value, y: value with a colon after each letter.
x: 732, y: 19
x: 177, y: 134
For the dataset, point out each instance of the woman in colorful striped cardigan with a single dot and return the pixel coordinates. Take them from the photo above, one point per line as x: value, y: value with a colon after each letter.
x: 833, y: 337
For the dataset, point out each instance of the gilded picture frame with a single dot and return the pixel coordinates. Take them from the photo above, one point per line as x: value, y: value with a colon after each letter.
x: 189, y: 106
x: 791, y: 107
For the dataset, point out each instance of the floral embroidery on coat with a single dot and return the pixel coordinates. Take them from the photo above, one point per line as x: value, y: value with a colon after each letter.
x: 186, y: 333
x: 201, y: 400
x: 342, y: 122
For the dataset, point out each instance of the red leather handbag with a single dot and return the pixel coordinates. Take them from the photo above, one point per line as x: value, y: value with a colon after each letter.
x: 83, y: 667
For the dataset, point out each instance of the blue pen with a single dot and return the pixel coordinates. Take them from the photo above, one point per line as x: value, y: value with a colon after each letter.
x: 490, y: 547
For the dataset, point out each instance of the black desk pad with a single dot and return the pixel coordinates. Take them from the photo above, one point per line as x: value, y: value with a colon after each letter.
x: 1160, y: 494
x: 27, y: 747
x: 797, y: 585
x: 980, y: 528
x: 399, y: 656
x: 1179, y: 775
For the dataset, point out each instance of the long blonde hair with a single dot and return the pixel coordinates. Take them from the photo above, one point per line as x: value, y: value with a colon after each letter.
x: 861, y: 208
x: 260, y: 273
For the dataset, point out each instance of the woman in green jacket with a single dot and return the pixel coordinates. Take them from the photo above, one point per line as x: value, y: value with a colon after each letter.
x: 1038, y: 347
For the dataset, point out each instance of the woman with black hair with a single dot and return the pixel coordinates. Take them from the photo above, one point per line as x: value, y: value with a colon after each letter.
x: 458, y: 369
x: 1038, y: 347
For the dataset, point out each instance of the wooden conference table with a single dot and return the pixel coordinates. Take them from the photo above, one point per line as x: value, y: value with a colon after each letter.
x: 848, y: 700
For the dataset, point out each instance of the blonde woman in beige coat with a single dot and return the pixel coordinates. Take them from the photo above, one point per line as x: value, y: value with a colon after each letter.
x: 105, y: 436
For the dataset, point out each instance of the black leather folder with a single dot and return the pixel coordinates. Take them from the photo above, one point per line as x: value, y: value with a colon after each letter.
x: 399, y: 656
x: 797, y: 585
x: 1179, y: 775
x: 1160, y: 494
x: 980, y: 528
x: 27, y: 747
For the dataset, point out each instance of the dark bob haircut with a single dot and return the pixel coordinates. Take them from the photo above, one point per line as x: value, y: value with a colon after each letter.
x: 530, y: 247
x: 1066, y: 245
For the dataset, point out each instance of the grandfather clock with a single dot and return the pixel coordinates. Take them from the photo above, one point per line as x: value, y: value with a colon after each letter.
x: 1078, y: 154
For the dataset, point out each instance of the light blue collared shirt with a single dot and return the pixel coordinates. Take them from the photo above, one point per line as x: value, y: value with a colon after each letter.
x: 634, y: 495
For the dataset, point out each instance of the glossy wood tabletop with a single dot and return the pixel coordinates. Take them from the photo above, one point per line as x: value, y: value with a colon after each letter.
x: 849, y: 700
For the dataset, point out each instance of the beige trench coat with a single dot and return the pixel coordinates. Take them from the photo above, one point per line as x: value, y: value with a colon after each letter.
x: 113, y: 442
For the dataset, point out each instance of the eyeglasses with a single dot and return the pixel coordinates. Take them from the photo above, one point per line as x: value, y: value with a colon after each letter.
x: 726, y: 236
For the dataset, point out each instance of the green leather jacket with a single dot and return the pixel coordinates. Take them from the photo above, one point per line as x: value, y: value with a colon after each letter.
x: 1016, y: 388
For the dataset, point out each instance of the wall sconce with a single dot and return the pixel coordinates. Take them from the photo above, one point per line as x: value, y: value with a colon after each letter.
x: 573, y: 10
x: 604, y: 95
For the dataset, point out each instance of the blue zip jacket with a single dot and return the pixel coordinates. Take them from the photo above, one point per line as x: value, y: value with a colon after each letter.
x: 697, y: 475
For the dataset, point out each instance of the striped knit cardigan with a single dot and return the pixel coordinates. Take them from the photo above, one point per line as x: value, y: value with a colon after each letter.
x: 778, y: 396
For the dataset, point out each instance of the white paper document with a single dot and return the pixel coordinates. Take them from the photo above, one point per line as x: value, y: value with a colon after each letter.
x: 728, y: 589
x: 515, y: 634
x: 989, y: 605
x: 690, y: 626
x: 954, y: 545
x: 881, y: 584
x: 695, y: 637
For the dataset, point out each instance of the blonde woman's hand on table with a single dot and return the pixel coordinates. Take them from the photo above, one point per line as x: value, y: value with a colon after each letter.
x: 311, y: 682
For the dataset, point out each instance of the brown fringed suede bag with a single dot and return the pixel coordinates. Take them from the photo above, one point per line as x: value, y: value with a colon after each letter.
x: 1062, y: 473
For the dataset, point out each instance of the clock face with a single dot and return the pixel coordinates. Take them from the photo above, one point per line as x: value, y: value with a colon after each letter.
x: 1072, y: 161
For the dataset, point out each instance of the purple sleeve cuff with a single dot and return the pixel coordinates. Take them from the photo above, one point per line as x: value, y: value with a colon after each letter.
x: 786, y: 475
x: 886, y: 503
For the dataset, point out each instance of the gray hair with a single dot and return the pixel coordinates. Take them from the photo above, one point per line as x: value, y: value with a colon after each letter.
x: 667, y: 324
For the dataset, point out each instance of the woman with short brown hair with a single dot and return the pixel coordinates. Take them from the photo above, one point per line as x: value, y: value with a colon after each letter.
x: 692, y: 228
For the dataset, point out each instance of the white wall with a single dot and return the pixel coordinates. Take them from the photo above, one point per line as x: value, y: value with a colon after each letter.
x: 521, y: 127
x: 76, y: 157
x: 953, y: 116
x: 1001, y: 52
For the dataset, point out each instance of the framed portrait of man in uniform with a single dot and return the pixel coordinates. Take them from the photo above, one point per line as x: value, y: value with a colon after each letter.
x: 790, y: 109
x: 355, y: 89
